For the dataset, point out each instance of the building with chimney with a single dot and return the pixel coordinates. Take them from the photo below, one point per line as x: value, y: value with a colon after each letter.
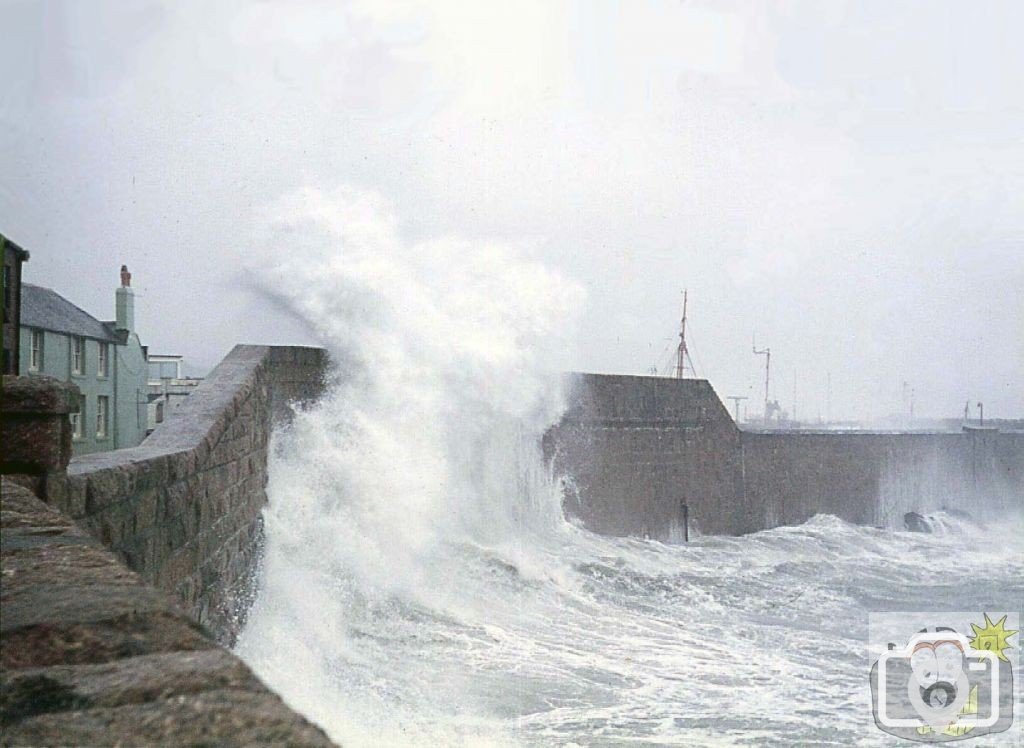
x: 14, y: 256
x: 105, y: 359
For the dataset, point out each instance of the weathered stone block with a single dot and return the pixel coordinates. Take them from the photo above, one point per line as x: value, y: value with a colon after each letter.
x: 178, y: 565
x: 91, y: 656
x: 104, y: 488
x: 176, y: 532
x: 211, y: 541
x: 146, y: 509
x: 36, y: 395
x: 34, y: 425
x: 150, y: 473
x: 177, y: 497
x: 180, y: 465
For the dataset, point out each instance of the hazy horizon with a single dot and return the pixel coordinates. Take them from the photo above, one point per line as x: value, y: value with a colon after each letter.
x: 843, y: 180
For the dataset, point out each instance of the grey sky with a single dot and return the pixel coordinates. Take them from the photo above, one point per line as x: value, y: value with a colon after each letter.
x: 844, y: 179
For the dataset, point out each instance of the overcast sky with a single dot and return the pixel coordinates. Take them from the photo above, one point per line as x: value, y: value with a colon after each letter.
x: 844, y: 179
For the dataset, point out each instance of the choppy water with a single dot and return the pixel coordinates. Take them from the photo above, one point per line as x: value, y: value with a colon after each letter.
x: 600, y: 641
x: 420, y: 585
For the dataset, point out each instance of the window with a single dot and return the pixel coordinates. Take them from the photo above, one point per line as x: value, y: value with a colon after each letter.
x: 159, y: 412
x: 35, y: 358
x: 76, y: 419
x: 78, y: 355
x: 101, y: 361
x: 102, y: 407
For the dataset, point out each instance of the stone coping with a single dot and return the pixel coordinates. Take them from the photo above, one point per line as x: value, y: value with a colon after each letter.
x: 37, y: 394
x: 91, y: 655
x: 193, y: 427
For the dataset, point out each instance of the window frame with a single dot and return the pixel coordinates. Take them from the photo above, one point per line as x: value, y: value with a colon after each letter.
x: 102, y: 416
x: 35, y: 352
x: 103, y: 361
x: 77, y: 419
x: 77, y: 355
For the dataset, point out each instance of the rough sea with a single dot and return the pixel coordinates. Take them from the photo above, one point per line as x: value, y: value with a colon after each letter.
x: 421, y: 586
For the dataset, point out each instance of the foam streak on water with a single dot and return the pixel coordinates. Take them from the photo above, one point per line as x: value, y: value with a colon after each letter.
x: 420, y: 586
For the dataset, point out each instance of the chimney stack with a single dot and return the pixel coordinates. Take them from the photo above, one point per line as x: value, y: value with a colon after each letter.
x: 125, y: 302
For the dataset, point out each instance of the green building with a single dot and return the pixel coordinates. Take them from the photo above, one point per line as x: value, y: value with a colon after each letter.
x: 14, y: 257
x: 105, y: 359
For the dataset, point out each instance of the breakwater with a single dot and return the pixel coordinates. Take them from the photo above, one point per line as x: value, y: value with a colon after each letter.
x: 183, y: 508
x: 643, y: 455
x: 119, y: 589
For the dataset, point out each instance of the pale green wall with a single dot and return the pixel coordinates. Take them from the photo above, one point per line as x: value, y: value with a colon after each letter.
x: 132, y: 375
x: 125, y: 385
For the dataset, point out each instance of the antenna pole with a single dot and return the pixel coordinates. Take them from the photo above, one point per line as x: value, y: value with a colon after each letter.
x: 828, y: 397
x: 767, y: 353
x: 794, y: 396
x: 682, y: 353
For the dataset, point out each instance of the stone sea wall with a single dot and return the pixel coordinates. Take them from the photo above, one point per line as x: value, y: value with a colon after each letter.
x: 92, y: 655
x: 183, y: 509
x: 875, y: 478
x: 639, y: 454
x: 636, y: 450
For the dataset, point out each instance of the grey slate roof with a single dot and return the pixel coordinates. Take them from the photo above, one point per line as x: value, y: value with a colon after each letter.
x: 46, y: 309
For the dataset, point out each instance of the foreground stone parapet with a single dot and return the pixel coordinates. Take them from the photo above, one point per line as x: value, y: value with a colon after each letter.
x: 35, y: 430
x: 91, y: 655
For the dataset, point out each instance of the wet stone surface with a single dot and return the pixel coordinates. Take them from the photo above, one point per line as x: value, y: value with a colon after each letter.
x: 91, y: 655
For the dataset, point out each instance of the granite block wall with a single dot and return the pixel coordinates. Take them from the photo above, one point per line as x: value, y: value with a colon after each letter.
x: 91, y: 655
x: 633, y: 450
x: 875, y: 478
x: 183, y: 509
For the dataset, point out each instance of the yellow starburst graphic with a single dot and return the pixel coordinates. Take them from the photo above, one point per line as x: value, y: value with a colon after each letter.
x: 992, y: 637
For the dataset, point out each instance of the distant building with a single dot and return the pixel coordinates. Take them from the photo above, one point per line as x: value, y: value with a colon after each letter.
x: 167, y: 386
x: 14, y: 256
x: 105, y: 359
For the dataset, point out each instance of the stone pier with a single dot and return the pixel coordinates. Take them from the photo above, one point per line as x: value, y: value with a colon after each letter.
x: 117, y: 589
x: 637, y: 450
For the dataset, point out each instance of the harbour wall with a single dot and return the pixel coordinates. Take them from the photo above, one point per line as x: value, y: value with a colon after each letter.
x: 643, y: 455
x: 121, y: 589
x: 876, y: 478
x: 183, y: 509
x: 640, y: 456
x: 633, y: 450
x: 92, y: 655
